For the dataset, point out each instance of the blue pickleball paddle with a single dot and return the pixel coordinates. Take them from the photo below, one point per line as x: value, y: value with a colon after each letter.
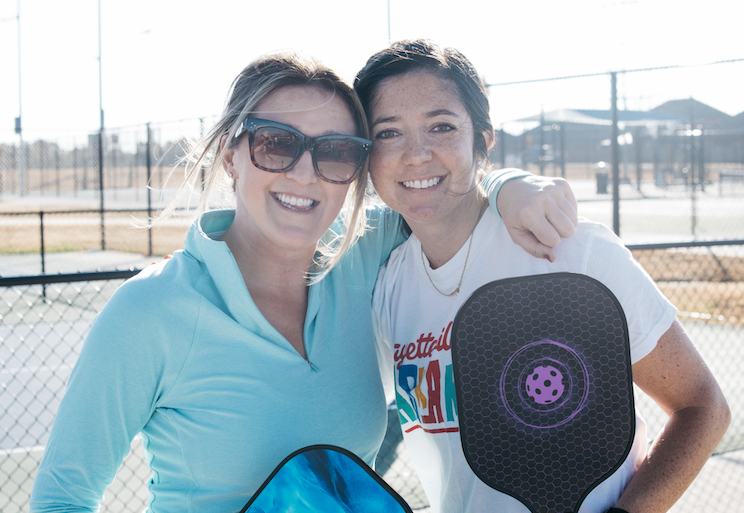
x: 328, y: 479
x: 544, y: 388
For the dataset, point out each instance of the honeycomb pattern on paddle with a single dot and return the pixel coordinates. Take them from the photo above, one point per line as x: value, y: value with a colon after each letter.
x: 566, y: 335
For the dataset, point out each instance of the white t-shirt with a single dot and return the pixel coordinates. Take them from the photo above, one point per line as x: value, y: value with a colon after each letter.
x: 413, y: 322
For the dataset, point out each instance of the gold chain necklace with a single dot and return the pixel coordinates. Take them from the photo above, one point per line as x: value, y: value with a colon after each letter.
x: 457, y: 290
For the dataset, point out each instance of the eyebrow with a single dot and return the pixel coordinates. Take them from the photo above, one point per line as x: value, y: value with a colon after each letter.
x: 431, y: 114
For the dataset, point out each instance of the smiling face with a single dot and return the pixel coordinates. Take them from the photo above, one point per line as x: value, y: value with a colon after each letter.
x: 289, y: 211
x: 422, y: 163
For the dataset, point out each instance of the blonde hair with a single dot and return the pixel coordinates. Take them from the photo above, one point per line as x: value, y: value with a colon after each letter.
x: 257, y: 80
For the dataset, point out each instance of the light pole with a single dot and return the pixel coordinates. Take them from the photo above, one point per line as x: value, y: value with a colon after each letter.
x: 18, y: 126
x: 100, y: 73
x: 100, y: 132
x: 388, y: 13
x: 22, y: 157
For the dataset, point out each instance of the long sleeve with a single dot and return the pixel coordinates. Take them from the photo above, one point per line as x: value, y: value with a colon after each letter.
x: 124, y: 368
x: 494, y: 180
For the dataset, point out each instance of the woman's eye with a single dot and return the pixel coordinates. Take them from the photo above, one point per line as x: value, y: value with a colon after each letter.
x: 385, y: 134
x: 444, y: 128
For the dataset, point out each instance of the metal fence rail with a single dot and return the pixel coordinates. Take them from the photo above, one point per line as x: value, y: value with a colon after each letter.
x: 658, y: 214
x: 44, y: 321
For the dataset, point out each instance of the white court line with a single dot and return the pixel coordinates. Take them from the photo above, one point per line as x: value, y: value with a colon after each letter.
x: 41, y: 368
x: 21, y: 450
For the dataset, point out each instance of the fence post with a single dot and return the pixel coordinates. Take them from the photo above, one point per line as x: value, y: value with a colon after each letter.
x: 639, y: 157
x: 21, y: 161
x: 56, y: 167
x: 701, y: 159
x: 100, y: 183
x: 562, y: 139
x: 615, y: 157
x: 41, y: 233
x: 114, y: 168
x: 541, y: 152
x: 691, y: 173
x: 43, y: 266
x: 75, y: 179
x: 42, y: 166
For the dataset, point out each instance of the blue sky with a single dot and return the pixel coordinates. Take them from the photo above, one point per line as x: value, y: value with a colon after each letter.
x: 166, y: 60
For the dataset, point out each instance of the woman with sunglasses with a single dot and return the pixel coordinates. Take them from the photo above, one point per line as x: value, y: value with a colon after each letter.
x: 429, y: 120
x: 256, y: 339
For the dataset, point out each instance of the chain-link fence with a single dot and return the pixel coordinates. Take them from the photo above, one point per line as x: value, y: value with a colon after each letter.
x: 679, y: 179
x: 698, y: 174
x: 45, y: 320
x: 70, y: 166
x: 59, y: 197
x: 669, y: 213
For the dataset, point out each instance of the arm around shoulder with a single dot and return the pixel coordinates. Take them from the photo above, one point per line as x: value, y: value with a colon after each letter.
x: 537, y: 211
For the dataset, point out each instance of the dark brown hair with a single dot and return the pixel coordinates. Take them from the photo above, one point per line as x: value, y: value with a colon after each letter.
x: 423, y: 55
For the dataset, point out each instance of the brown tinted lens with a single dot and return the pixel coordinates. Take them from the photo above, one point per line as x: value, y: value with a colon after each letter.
x: 339, y: 159
x: 275, y: 148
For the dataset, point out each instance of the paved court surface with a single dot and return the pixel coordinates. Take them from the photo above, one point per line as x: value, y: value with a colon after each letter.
x: 73, y: 262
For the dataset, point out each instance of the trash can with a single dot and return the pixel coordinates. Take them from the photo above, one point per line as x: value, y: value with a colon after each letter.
x: 602, y: 178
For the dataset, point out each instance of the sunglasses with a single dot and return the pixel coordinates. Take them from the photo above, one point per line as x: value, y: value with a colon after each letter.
x: 276, y: 148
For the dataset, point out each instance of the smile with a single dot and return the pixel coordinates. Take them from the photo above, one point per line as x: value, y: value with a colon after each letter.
x: 417, y: 184
x: 294, y: 203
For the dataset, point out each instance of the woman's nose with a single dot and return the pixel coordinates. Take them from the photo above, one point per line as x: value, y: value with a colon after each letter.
x: 303, y: 171
x: 417, y: 150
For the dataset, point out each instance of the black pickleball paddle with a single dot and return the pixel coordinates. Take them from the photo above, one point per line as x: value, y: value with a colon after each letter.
x: 544, y: 387
x: 328, y: 479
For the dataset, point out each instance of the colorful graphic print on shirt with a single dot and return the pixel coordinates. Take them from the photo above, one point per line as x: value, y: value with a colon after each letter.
x: 425, y: 386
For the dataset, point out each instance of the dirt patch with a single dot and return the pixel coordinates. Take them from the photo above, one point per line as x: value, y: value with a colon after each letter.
x: 696, y: 280
x: 82, y: 232
x: 720, y: 302
x: 699, y: 282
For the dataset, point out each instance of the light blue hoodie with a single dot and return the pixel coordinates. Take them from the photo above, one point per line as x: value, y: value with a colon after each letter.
x: 182, y: 355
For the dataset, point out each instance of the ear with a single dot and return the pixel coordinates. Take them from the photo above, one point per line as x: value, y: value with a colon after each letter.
x: 228, y: 163
x: 488, y: 136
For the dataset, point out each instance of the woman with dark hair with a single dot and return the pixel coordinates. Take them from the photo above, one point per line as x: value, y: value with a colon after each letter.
x: 255, y: 340
x: 428, y: 117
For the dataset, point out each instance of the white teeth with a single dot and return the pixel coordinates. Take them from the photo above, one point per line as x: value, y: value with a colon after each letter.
x: 417, y: 184
x: 294, y: 201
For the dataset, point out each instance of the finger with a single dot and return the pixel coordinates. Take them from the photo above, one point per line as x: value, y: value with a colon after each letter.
x: 548, y: 254
x: 569, y: 209
x: 568, y: 193
x: 545, y: 228
x: 561, y: 194
x: 561, y: 222
x: 531, y: 245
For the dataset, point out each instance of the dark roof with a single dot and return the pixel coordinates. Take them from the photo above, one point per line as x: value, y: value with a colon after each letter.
x: 604, y: 117
x: 700, y: 112
x: 734, y: 122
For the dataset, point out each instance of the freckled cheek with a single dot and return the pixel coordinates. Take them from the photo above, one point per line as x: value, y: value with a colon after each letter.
x: 380, y: 162
x: 459, y: 152
x: 457, y: 144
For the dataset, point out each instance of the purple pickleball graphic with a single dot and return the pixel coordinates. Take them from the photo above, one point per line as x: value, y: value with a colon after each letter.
x: 557, y: 402
x: 545, y: 384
